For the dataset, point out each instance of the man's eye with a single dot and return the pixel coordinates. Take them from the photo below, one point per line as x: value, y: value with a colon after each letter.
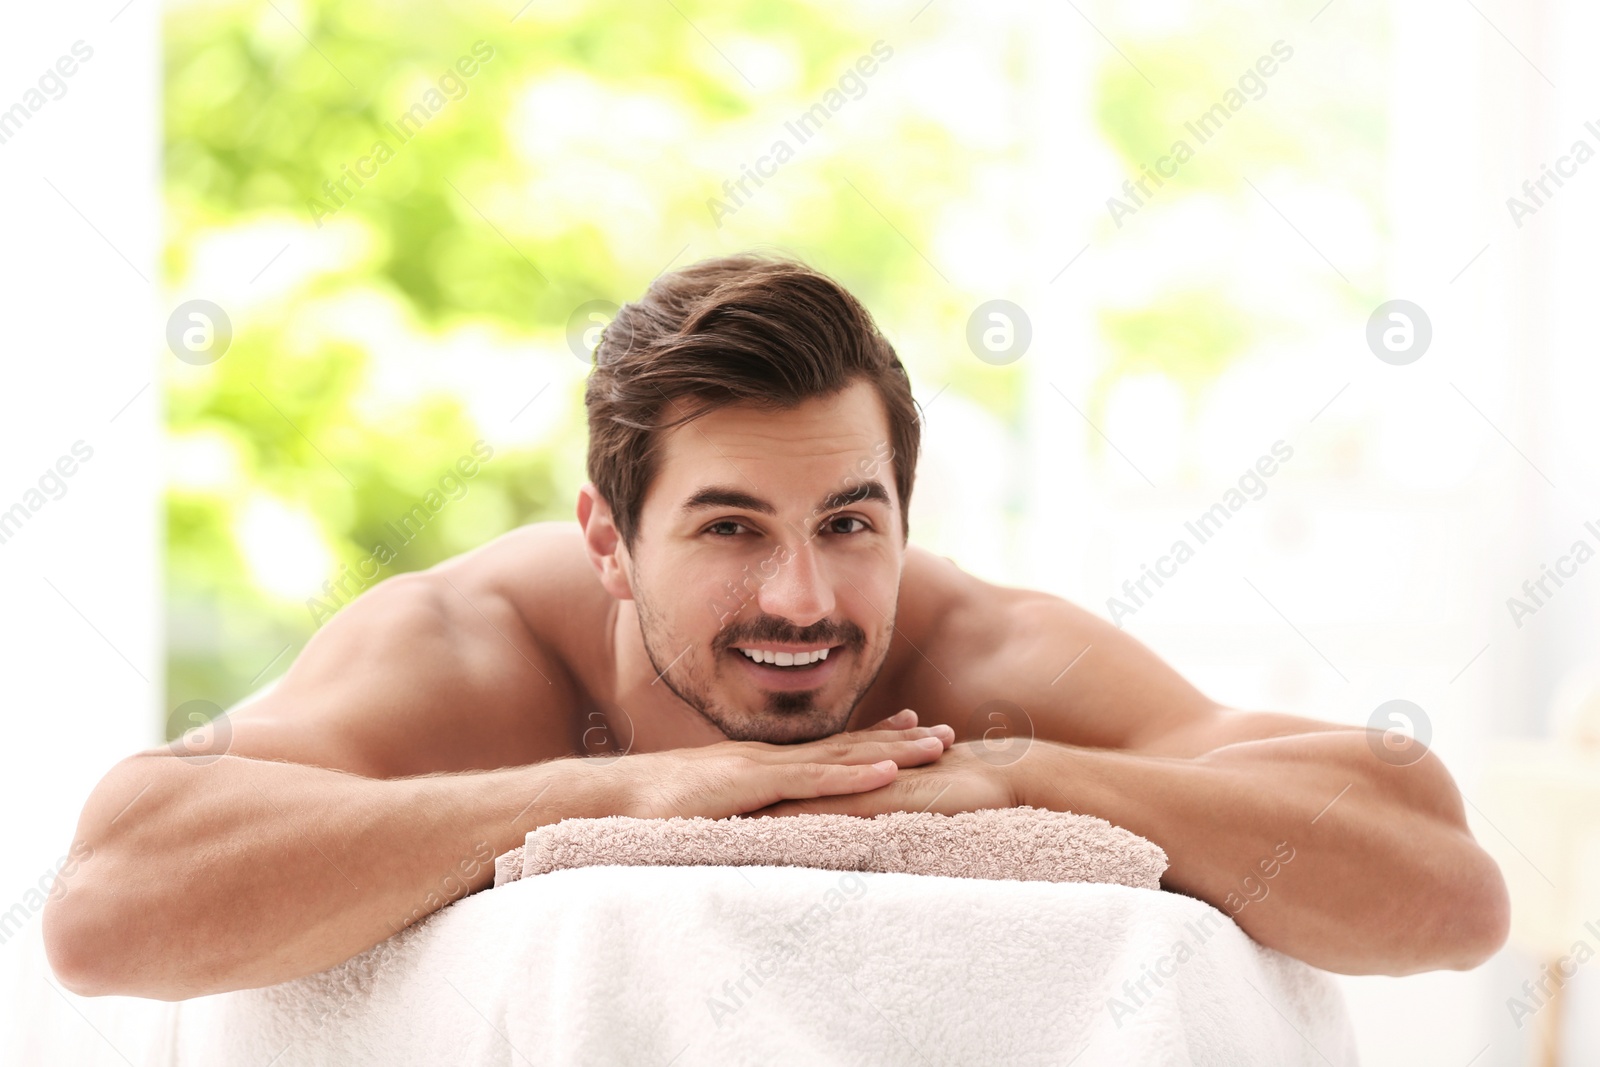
x: 723, y: 523
x: 848, y: 518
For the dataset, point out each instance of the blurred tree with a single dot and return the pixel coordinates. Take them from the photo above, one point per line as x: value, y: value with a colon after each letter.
x: 399, y: 206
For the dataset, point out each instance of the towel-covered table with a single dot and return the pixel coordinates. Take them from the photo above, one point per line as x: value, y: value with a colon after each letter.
x: 771, y: 966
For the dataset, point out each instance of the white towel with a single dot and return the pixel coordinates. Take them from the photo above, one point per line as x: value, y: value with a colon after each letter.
x: 782, y: 965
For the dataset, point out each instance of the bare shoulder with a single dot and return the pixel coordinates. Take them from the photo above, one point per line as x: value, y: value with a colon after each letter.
x: 1063, y: 672
x: 446, y: 669
x: 945, y: 621
x: 542, y: 573
x: 954, y: 612
x: 944, y: 606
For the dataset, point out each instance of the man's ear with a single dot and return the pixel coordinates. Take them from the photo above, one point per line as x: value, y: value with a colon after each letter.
x: 604, y: 543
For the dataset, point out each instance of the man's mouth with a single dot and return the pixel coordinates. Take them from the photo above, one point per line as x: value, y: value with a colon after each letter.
x: 787, y: 659
x: 794, y: 667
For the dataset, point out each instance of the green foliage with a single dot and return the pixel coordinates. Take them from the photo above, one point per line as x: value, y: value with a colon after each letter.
x: 1190, y: 326
x: 1190, y: 336
x: 574, y: 163
x: 381, y: 327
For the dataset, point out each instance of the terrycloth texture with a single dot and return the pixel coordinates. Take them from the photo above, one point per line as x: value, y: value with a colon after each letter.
x: 774, y: 966
x: 1028, y: 844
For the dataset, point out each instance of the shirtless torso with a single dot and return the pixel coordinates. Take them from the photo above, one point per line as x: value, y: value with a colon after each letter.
x: 536, y: 661
x: 432, y: 723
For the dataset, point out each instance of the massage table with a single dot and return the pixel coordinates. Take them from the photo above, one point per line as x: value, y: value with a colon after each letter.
x: 727, y: 965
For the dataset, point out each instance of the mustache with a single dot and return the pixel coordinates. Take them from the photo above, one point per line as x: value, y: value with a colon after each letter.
x: 778, y: 632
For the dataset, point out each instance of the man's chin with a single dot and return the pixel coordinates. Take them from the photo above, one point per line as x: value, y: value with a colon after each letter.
x: 784, y: 728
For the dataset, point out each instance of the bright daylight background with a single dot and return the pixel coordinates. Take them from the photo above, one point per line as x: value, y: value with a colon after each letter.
x: 376, y: 339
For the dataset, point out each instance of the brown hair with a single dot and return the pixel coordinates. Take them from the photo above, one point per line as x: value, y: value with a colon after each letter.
x: 743, y: 328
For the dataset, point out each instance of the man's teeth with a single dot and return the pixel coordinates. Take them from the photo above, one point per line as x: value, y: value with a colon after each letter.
x: 785, y: 659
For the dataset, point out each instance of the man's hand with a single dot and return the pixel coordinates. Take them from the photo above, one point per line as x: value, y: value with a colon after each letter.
x: 961, y: 781
x: 735, y: 777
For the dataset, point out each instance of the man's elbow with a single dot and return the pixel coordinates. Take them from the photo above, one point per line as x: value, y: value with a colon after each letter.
x: 80, y: 960
x: 89, y: 931
x: 1458, y: 917
x: 1478, y: 908
x: 1461, y: 909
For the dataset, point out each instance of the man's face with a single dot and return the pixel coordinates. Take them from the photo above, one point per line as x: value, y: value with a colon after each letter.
x: 773, y: 531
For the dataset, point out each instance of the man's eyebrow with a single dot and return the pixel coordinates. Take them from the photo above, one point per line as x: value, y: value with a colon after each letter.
x: 723, y: 496
x: 726, y: 496
x: 869, y: 490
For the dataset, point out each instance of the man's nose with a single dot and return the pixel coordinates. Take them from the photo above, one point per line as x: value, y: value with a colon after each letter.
x: 800, y: 591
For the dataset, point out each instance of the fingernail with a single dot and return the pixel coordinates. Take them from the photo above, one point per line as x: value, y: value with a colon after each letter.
x: 885, y: 763
x: 930, y: 743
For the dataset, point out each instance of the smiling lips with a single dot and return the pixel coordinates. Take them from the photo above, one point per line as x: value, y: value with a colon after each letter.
x: 785, y: 657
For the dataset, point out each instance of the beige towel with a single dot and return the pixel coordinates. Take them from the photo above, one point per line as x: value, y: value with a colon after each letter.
x: 1024, y: 844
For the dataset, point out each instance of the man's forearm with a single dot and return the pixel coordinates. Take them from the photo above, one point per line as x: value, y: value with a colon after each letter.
x: 1313, y: 845
x: 241, y: 873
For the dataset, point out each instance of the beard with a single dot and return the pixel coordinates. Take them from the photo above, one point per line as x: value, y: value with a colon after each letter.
x: 787, y: 717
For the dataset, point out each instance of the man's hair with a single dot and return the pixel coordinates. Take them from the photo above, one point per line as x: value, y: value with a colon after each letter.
x: 743, y: 328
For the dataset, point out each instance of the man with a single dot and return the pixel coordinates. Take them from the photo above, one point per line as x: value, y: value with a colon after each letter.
x: 752, y: 448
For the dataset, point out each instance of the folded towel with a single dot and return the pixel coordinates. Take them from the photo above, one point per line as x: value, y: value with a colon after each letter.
x: 1022, y: 844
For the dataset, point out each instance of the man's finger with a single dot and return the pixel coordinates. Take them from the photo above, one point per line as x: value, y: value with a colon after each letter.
x: 907, y: 752
x: 939, y: 730
x: 803, y: 781
x: 908, y: 748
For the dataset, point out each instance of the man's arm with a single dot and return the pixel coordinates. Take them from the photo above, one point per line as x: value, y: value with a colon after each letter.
x: 1296, y: 828
x: 1312, y: 844
x: 421, y: 733
x: 297, y: 833
x: 243, y: 872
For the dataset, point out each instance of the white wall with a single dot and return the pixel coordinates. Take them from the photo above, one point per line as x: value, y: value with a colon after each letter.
x: 80, y: 633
